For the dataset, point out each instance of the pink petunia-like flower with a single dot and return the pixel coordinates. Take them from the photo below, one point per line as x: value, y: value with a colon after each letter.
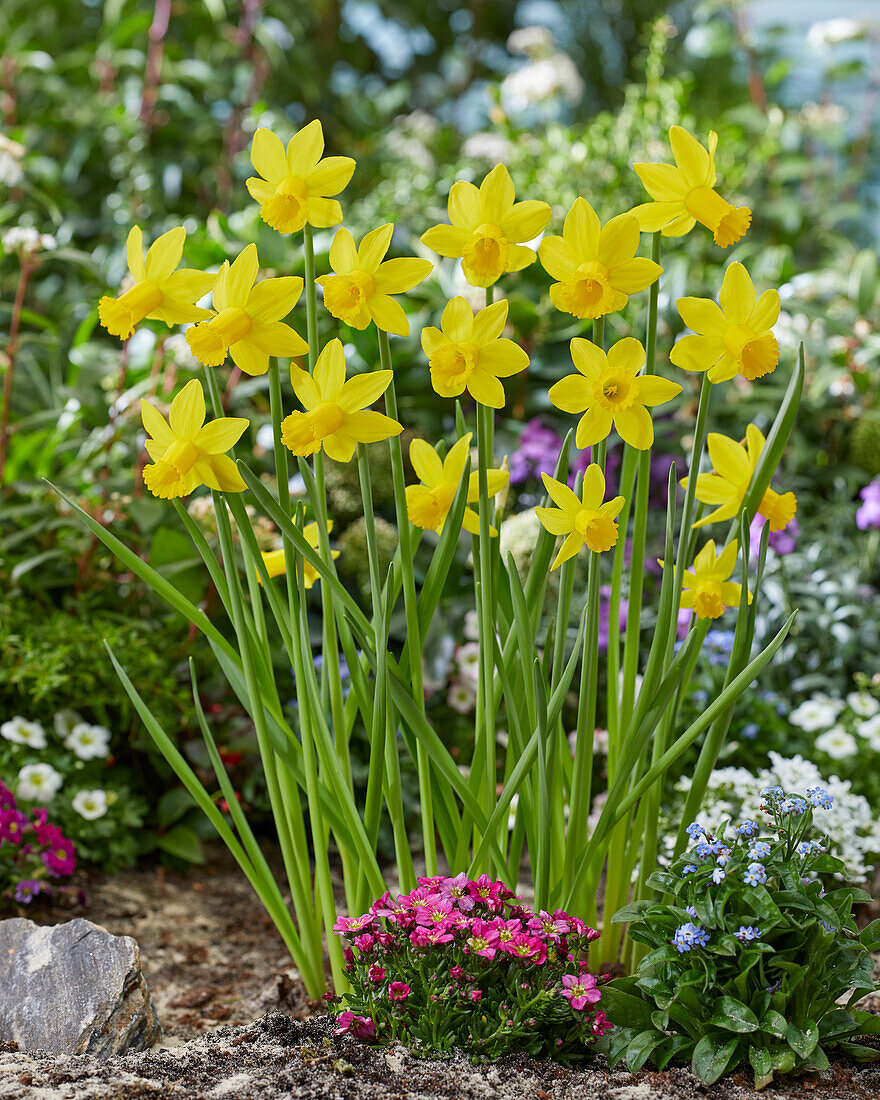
x: 549, y: 925
x: 457, y: 889
x: 385, y: 939
x: 12, y: 823
x: 601, y: 1024
x: 484, y: 889
x: 364, y: 943
x: 7, y: 798
x: 60, y: 859
x: 456, y: 972
x: 523, y: 946
x: 345, y: 925
x: 384, y: 906
x: 438, y: 912
x: 483, y: 940
x: 376, y: 973
x: 476, y: 995
x: 39, y: 816
x: 48, y: 834
x: 507, y: 930
x: 580, y: 991
x: 398, y: 991
x: 361, y: 1027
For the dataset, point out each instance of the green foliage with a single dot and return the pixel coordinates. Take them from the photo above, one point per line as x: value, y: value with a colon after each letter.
x: 747, y: 959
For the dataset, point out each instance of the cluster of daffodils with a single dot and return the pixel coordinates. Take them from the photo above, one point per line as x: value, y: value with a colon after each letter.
x: 33, y: 851
x: 595, y: 268
x: 462, y: 963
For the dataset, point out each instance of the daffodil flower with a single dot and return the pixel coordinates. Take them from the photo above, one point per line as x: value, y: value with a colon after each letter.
x: 733, y: 469
x: 296, y: 183
x: 707, y: 591
x: 590, y: 520
x: 685, y: 194
x: 488, y: 228
x: 160, y: 293
x: 428, y: 504
x: 275, y: 563
x: 468, y: 352
x: 733, y: 337
x: 596, y: 266
x: 610, y: 391
x: 247, y: 320
x: 336, y: 415
x: 360, y: 289
x: 187, y: 452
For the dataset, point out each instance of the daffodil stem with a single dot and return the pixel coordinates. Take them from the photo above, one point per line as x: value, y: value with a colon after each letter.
x: 411, y: 612
x: 282, y: 475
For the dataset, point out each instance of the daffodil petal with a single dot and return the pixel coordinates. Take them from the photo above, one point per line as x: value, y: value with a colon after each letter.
x: 489, y: 323
x: 554, y: 520
x: 156, y: 424
x: 525, y: 220
x: 134, y: 253
x: 432, y: 339
x: 737, y: 297
x: 634, y: 426
x: 331, y: 176
x: 323, y: 213
x: 249, y: 357
x: 497, y: 196
x: 594, y: 487
x: 713, y: 489
x: 362, y: 390
x: 371, y: 427
x: 343, y: 253
x: 634, y: 275
x: 457, y: 321
x: 728, y: 458
x: 690, y: 156
x: 581, y: 231
x: 766, y: 312
x: 399, y: 276
x: 503, y: 358
x: 426, y: 462
x: 217, y: 436
x: 496, y: 480
x: 618, y: 240
x: 518, y: 257
x: 627, y: 354
x: 654, y: 216
x: 557, y: 258
x: 656, y: 391
x: 388, y: 314
x: 278, y: 339
x: 571, y: 394
x: 303, y: 150
x: 329, y: 371
x: 188, y: 284
x: 589, y: 359
x: 340, y: 446
x: 187, y: 413
x: 727, y: 559
x: 696, y: 352
x: 572, y: 546
x: 486, y: 388
x: 267, y: 155
x: 304, y: 387
x: 229, y: 480
x: 272, y: 299
x: 446, y: 240
x: 560, y: 494
x: 464, y: 205
x: 242, y: 275
x: 593, y: 427
x: 702, y: 315
x: 164, y: 254
x: 373, y: 247
x: 259, y: 189
x: 663, y: 182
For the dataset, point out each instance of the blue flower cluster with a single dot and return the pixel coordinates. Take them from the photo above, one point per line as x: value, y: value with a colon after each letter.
x: 747, y: 933
x: 688, y: 936
x: 756, y: 875
x: 747, y: 828
x: 818, y: 796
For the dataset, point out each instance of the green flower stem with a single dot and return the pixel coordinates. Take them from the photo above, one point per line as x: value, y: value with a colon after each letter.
x: 612, y: 661
x: 411, y: 611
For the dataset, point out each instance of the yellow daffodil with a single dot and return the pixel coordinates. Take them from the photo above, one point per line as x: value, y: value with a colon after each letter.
x: 707, y: 591
x: 685, y: 194
x: 610, y: 391
x: 488, y: 228
x: 428, y: 504
x: 596, y: 266
x: 274, y: 559
x: 187, y: 452
x: 587, y: 520
x: 360, y: 289
x: 468, y: 352
x: 160, y: 293
x: 734, y: 465
x: 336, y: 416
x: 733, y: 337
x: 247, y: 320
x: 296, y: 183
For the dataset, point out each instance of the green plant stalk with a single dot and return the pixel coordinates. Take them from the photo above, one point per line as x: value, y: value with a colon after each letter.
x: 411, y: 611
x: 612, y: 660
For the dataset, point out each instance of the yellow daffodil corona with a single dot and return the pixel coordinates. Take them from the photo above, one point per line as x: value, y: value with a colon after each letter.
x: 336, y: 415
x: 732, y: 337
x: 276, y: 566
x: 187, y: 452
x: 428, y: 504
x: 733, y: 468
x: 360, y: 289
x: 247, y: 320
x: 610, y: 391
x: 684, y: 193
x: 590, y: 520
x: 468, y: 352
x: 160, y: 293
x: 488, y: 228
x: 707, y: 591
x: 596, y: 266
x: 296, y: 183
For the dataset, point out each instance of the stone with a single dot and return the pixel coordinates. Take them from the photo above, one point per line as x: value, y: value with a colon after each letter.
x: 73, y: 988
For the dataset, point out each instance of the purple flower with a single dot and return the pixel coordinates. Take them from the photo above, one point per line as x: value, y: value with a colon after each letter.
x: 688, y: 936
x: 27, y: 890
x: 747, y: 932
x: 12, y: 824
x: 60, y: 859
x: 755, y: 875
x: 868, y: 515
x: 7, y: 798
x: 782, y: 542
x: 536, y: 452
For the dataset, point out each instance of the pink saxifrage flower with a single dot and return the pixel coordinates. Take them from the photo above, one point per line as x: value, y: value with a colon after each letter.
x: 361, y: 1027
x: 399, y: 991
x: 580, y: 991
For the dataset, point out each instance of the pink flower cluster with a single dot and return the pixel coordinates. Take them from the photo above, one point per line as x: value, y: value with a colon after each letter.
x: 40, y: 849
x: 453, y: 942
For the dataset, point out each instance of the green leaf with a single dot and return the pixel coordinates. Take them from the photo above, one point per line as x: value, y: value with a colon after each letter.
x: 711, y: 1058
x: 838, y: 1023
x: 182, y: 841
x: 625, y: 1009
x: 669, y: 1048
x: 733, y: 1015
x: 632, y: 912
x: 762, y: 1065
x: 860, y: 1052
x: 662, y: 881
x: 774, y: 1023
x: 802, y: 1042
x: 783, y: 1059
x: 868, y: 1022
x: 640, y: 1048
x: 173, y: 805
x: 869, y: 937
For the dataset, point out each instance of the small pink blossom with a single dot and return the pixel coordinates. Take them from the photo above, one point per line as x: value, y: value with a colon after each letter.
x: 398, y: 991
x: 580, y: 990
x: 476, y: 995
x: 601, y: 1024
x: 552, y: 926
x: 364, y: 943
x: 345, y: 925
x: 376, y: 973
x: 361, y: 1027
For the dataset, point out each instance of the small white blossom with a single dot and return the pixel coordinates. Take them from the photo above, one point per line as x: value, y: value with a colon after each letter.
x: 38, y: 783
x: 471, y: 628
x: 88, y: 742
x: 461, y: 698
x: 11, y: 172
x: 817, y: 713
x: 863, y: 704
x: 467, y: 657
x: 20, y: 731
x: 24, y: 238
x: 870, y: 730
x: 90, y: 804
x: 837, y: 743
x: 64, y: 721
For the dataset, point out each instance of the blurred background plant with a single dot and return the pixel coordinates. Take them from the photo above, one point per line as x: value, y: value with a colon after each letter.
x: 119, y: 112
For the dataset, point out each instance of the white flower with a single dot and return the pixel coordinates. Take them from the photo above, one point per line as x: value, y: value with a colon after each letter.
x: 11, y: 172
x: 461, y: 698
x: 837, y: 743
x: 471, y: 629
x: 863, y: 704
x: 828, y: 32
x: 88, y: 742
x: 870, y: 730
x: 38, y: 783
x: 65, y: 720
x: 467, y: 657
x: 20, y: 731
x: 817, y: 713
x: 487, y: 146
x: 24, y: 238
x: 90, y: 804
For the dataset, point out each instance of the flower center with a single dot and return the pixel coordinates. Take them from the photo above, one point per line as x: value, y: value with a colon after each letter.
x: 756, y: 353
x: 428, y: 508
x: 210, y: 341
x: 727, y: 223
x: 287, y: 209
x: 589, y: 293
x: 778, y: 509
x: 616, y: 391
x: 120, y: 315
x: 598, y: 532
x: 452, y: 365
x: 708, y: 602
x: 345, y: 296
x: 486, y: 254
x: 167, y: 477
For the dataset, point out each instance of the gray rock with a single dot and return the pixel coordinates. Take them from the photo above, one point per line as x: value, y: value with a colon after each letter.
x: 73, y: 989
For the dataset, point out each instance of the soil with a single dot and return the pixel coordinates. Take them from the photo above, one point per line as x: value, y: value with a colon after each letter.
x: 238, y: 1025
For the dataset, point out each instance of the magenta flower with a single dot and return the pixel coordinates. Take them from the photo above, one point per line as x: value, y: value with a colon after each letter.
x: 456, y: 972
x: 868, y: 515
x: 483, y: 940
x: 601, y: 1024
x: 7, y: 798
x: 552, y: 926
x: 376, y: 973
x: 523, y: 946
x: 476, y: 995
x: 345, y: 925
x: 27, y: 890
x: 364, y: 943
x: 361, y: 1027
x: 438, y: 912
x: 398, y: 991
x: 60, y: 859
x: 457, y: 889
x: 12, y: 824
x: 507, y: 930
x: 580, y: 991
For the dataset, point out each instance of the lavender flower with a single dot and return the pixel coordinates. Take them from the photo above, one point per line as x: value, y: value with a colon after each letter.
x: 747, y: 933
x: 694, y: 830
x: 759, y: 850
x: 868, y: 515
x: 820, y: 797
x: 755, y: 875
x: 27, y: 890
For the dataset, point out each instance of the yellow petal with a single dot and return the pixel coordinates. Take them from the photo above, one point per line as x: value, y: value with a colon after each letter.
x: 446, y: 240
x: 681, y: 224
x: 388, y: 314
x: 691, y: 157
x: 464, y: 206
x: 177, y: 311
x: 705, y: 560
x: 134, y: 252
x: 663, y: 182
x: 593, y: 427
x: 557, y: 258
x: 219, y: 295
x: 633, y: 276
x: 729, y: 458
x: 226, y: 474
x: 766, y: 312
x: 572, y: 545
x: 304, y: 387
x: 727, y: 559
x: 754, y: 443
x: 696, y: 352
x: 340, y: 446
x: 518, y: 257
x: 374, y: 246
x: 426, y: 462
x: 656, y: 391
x: 249, y: 357
x: 219, y: 435
x: 496, y: 480
x: 554, y: 520
x: 525, y: 220
x: 486, y: 388
x: 654, y: 216
x: 164, y: 254
x: 363, y: 390
x: 503, y: 358
x: 737, y: 297
x: 457, y: 321
x: 619, y: 240
x: 188, y: 285
x: 241, y: 276
x: 331, y: 176
x: 370, y: 426
x: 278, y: 339
x: 272, y: 299
x: 399, y: 276
x: 593, y: 491
x: 187, y: 413
x: 267, y: 155
x: 722, y: 371
x: 714, y: 489
x: 156, y: 425
x: 343, y: 253
x: 489, y: 323
x: 702, y: 316
x: 560, y: 494
x: 303, y: 150
x: 571, y: 394
x: 323, y: 213
x: 432, y: 339
x: 497, y: 196
x: 634, y: 427
x: 259, y: 189
x: 581, y: 231
x: 589, y: 359
x: 329, y: 372
x: 627, y: 355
